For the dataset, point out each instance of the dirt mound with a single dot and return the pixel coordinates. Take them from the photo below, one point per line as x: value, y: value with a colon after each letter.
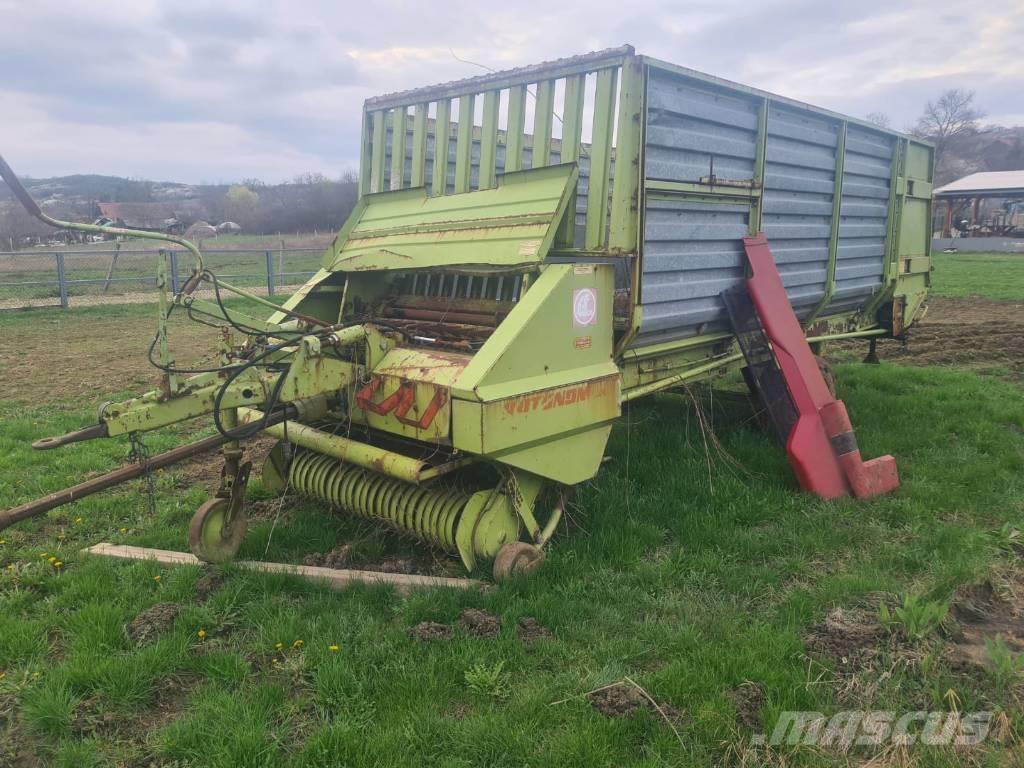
x: 529, y: 629
x: 749, y: 700
x: 208, y: 583
x: 982, y: 612
x: 623, y: 699
x: 268, y: 509
x: 970, y: 333
x: 848, y: 638
x: 428, y: 631
x: 479, y: 623
x: 618, y: 700
x: 152, y: 621
x: 339, y: 557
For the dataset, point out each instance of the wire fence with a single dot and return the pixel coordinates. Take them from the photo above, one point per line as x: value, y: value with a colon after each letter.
x: 60, y: 279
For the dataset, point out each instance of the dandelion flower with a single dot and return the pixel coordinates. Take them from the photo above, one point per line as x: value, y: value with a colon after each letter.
x: 124, y: 530
x: 10, y: 567
x: 201, y: 634
x: 78, y: 520
x: 298, y: 644
x: 157, y: 577
x: 58, y: 564
x: 279, y: 646
x: 35, y: 675
x: 332, y: 648
x: 52, y: 559
x: 3, y: 541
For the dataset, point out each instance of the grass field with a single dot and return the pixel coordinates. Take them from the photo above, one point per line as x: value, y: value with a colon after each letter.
x: 701, y: 574
x: 992, y: 275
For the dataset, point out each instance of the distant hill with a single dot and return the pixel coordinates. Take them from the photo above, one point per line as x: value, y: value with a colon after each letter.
x: 108, y: 189
x: 310, y: 203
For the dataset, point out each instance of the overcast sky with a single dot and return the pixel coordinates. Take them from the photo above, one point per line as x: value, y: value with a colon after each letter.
x: 172, y: 90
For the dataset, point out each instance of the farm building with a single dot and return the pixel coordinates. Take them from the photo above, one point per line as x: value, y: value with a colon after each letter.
x: 153, y: 217
x: 983, y: 205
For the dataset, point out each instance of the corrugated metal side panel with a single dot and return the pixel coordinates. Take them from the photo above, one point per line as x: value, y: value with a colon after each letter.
x: 864, y: 217
x: 694, y: 130
x: 799, y: 183
x: 692, y: 252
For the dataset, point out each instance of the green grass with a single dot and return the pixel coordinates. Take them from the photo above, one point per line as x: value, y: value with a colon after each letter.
x: 690, y: 581
x: 989, y: 275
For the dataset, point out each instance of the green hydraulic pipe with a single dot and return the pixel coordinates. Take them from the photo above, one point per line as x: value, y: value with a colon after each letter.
x: 849, y: 335
x: 679, y: 378
x: 350, y: 451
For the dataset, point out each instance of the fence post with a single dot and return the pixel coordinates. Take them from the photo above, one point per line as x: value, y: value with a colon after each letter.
x: 174, y: 272
x: 62, y: 285
x: 270, y: 273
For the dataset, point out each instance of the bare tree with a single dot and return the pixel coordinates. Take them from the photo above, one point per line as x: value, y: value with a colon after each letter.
x: 946, y: 122
x: 880, y: 119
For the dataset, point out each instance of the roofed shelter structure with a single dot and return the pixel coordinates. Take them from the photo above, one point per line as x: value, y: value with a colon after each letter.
x: 971, y: 190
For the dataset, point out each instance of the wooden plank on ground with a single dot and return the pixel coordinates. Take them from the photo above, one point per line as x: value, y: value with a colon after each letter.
x: 337, y: 579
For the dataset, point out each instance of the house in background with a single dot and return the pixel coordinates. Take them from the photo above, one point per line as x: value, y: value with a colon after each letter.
x: 152, y: 217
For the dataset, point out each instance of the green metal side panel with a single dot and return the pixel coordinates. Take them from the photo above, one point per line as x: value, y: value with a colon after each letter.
x: 913, y: 264
x: 511, y: 225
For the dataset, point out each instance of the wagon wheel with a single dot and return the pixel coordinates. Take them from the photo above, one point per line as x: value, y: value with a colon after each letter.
x: 212, y: 537
x: 515, y: 558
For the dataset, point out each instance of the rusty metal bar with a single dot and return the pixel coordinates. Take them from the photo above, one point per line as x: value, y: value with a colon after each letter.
x: 109, y: 480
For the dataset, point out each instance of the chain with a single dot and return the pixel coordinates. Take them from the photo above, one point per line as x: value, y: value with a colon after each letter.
x: 139, y: 454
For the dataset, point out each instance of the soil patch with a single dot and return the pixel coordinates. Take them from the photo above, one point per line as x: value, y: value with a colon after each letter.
x: 106, y: 354
x: 268, y: 509
x: 849, y: 638
x: 153, y: 621
x: 969, y: 333
x: 749, y: 700
x: 209, y: 583
x: 339, y: 557
x: 431, y: 630
x: 479, y: 623
x: 204, y: 470
x: 982, y: 612
x: 529, y: 630
x: 623, y: 700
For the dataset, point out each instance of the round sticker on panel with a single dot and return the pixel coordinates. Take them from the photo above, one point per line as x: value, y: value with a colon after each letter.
x: 584, y: 307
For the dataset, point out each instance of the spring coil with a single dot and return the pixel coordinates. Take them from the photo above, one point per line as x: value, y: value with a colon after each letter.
x: 429, y: 513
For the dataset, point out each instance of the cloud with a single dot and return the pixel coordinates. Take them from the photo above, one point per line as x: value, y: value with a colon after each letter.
x: 178, y: 90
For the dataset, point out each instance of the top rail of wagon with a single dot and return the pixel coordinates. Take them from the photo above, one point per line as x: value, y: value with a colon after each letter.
x: 548, y: 70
